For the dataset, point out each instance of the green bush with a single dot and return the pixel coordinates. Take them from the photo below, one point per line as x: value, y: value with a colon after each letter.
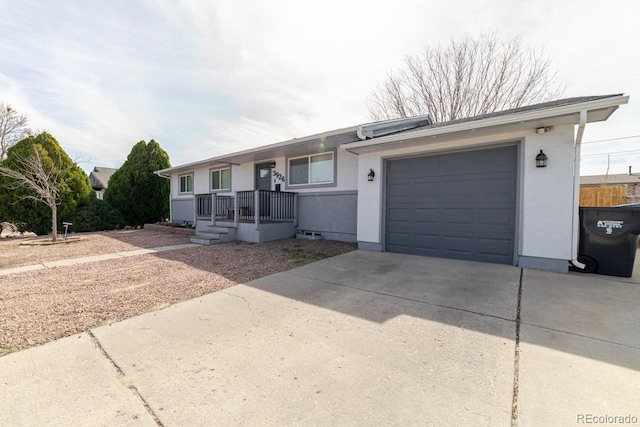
x: 97, y: 215
x: 16, y: 207
x: 135, y: 190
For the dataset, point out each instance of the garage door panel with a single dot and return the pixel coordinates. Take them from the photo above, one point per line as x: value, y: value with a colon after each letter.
x: 399, y: 215
x: 497, y: 247
x: 458, y: 216
x: 414, y: 169
x: 426, y: 241
x: 502, y: 162
x: 495, y: 216
x: 457, y: 189
x: 494, y: 186
x: 420, y: 168
x: 399, y: 239
x: 398, y: 191
x: 457, y: 244
x: 461, y: 162
x: 426, y: 190
x: 426, y: 215
x: 458, y: 205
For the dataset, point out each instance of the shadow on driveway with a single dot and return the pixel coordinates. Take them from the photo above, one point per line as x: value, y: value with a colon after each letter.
x: 589, y: 306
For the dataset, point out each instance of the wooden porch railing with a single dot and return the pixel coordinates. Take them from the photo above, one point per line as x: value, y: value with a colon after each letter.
x: 254, y: 205
x: 205, y: 202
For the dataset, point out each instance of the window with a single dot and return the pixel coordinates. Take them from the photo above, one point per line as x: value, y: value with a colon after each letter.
x: 221, y: 179
x: 314, y: 169
x: 186, y: 183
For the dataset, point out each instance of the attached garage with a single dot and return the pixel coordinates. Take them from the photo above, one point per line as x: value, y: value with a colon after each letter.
x: 460, y: 205
x: 472, y: 189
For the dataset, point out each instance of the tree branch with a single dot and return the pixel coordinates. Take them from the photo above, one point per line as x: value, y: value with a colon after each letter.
x: 469, y: 78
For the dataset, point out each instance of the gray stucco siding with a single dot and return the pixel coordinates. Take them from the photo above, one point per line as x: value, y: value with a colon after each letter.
x: 182, y: 210
x: 332, y: 213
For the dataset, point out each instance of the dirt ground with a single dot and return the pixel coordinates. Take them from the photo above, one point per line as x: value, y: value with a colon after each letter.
x: 44, y: 305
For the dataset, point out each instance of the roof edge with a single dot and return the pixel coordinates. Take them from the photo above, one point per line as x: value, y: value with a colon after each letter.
x: 267, y: 147
x: 520, y: 116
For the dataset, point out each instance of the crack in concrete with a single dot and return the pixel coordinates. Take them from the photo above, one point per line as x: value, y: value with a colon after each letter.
x: 243, y: 299
x: 123, y: 378
x: 516, y: 358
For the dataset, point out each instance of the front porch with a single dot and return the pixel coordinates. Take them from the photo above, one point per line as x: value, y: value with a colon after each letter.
x: 252, y: 216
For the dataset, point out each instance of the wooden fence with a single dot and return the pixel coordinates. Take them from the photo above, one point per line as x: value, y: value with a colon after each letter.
x: 603, y: 196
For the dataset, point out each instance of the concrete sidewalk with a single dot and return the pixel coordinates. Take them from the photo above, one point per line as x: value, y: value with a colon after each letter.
x: 94, y: 258
x: 360, y: 339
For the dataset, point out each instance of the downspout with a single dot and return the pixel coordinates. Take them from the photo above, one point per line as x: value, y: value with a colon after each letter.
x: 170, y: 189
x: 576, y: 191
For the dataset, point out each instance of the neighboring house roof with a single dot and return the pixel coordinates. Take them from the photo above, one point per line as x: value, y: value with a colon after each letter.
x: 100, y: 177
x: 614, y: 179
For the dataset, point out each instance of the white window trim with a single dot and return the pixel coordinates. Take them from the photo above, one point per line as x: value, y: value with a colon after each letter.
x: 211, y: 171
x: 309, y: 183
x: 180, y: 183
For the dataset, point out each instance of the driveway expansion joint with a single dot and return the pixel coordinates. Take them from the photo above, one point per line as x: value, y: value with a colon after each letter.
x: 123, y: 378
x: 516, y: 358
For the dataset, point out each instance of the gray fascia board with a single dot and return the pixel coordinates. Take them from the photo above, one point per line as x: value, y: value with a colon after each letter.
x: 226, y: 159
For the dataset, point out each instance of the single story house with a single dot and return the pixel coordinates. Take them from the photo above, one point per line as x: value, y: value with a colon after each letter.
x: 501, y: 187
x: 99, y: 178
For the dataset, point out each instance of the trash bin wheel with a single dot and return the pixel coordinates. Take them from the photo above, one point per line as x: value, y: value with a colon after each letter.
x: 589, y: 264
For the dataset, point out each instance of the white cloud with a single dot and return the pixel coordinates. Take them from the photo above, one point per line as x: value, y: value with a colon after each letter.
x: 203, y: 77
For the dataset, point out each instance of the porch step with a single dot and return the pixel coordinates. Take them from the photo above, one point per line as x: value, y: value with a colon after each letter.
x: 217, y: 229
x: 204, y: 241
x: 213, y: 235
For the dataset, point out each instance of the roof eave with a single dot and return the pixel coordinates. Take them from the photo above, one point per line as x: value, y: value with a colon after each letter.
x: 228, y: 158
x: 611, y: 103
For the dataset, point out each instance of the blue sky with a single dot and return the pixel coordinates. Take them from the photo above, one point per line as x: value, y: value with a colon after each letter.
x: 204, y: 78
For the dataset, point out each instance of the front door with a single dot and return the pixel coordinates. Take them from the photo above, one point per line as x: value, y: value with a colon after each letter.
x: 263, y: 176
x: 263, y: 182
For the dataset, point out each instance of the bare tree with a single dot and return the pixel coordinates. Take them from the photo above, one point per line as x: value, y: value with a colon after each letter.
x: 13, y: 128
x: 42, y: 177
x: 466, y: 79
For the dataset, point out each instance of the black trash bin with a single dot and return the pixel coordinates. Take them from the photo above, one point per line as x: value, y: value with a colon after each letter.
x: 608, y: 240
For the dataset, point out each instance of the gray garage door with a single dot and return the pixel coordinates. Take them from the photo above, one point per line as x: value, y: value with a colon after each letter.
x: 459, y: 205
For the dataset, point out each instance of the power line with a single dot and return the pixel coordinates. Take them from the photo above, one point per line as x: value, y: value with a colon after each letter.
x: 612, y: 139
x: 616, y: 153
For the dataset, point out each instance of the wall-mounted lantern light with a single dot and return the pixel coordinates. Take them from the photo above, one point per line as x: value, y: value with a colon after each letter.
x: 273, y: 163
x: 371, y: 175
x: 541, y: 160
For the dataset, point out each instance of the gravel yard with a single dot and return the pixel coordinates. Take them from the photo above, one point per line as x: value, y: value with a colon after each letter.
x: 44, y: 305
x: 13, y: 254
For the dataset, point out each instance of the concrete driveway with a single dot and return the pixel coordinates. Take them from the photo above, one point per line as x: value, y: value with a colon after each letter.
x: 360, y: 339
